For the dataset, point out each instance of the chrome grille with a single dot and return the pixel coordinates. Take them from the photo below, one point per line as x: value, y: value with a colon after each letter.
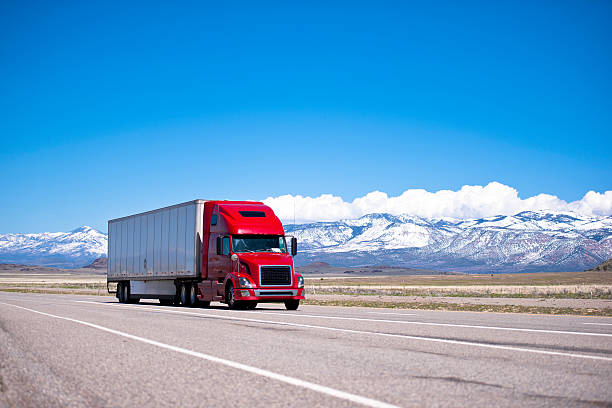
x: 275, y: 275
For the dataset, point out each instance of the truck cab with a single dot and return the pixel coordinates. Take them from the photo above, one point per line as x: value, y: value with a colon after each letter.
x: 246, y: 257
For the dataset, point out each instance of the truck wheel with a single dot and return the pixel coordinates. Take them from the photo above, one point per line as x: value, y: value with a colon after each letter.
x: 230, y: 298
x: 120, y: 292
x: 184, y: 295
x: 292, y: 304
x: 193, y: 295
x: 176, y: 300
x: 126, y: 292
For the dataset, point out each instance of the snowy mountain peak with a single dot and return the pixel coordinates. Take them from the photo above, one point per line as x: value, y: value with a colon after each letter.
x: 85, y: 229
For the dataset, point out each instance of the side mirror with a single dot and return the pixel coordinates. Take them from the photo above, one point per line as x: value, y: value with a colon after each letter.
x: 219, y: 245
x: 293, y: 246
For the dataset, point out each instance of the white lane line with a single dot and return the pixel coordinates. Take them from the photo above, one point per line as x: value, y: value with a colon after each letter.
x: 310, y: 326
x: 600, y: 324
x: 467, y: 326
x: 254, y: 370
x: 391, y: 313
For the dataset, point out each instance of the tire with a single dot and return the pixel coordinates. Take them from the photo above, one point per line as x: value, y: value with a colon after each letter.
x: 230, y: 298
x: 292, y: 304
x: 126, y: 292
x: 120, y: 292
x: 184, y: 294
x: 193, y: 295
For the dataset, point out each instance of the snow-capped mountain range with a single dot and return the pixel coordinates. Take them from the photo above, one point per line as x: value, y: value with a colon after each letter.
x: 72, y: 249
x: 528, y: 241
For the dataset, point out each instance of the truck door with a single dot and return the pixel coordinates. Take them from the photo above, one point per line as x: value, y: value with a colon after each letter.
x: 219, y: 262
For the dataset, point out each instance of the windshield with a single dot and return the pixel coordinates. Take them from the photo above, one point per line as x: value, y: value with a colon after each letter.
x: 259, y: 243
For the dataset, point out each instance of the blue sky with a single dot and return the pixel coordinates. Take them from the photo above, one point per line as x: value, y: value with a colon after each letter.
x: 109, y: 109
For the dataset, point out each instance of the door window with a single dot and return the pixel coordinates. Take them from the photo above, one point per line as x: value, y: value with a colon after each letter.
x: 226, y: 246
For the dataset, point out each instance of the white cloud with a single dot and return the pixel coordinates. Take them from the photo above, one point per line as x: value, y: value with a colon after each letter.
x: 468, y: 202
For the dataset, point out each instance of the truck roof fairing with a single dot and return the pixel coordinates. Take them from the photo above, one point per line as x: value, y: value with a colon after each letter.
x: 251, y: 218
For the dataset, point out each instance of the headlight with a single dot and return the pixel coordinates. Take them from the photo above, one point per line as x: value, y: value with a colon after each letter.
x: 244, y: 283
x: 300, y: 281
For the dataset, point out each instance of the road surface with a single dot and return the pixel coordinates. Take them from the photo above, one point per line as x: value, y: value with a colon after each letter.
x: 60, y: 350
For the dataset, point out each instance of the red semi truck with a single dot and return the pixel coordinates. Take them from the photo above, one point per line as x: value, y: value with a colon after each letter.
x: 200, y: 251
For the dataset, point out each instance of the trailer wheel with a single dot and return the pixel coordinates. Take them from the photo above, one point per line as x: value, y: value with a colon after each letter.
x: 193, y: 294
x: 126, y: 292
x: 120, y: 292
x: 292, y: 304
x: 184, y: 295
x: 176, y: 300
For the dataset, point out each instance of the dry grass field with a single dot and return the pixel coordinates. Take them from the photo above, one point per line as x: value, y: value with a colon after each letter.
x: 514, y: 279
x: 581, y: 285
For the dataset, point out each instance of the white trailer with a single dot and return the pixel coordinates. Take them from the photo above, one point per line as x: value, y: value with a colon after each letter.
x: 155, y: 249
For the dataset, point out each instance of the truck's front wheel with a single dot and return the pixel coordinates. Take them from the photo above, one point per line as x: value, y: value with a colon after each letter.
x: 230, y: 298
x: 292, y: 304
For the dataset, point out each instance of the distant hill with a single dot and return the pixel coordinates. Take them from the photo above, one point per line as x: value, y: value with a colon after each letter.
x: 100, y: 263
x: 604, y: 266
x: 323, y: 268
x: 6, y: 268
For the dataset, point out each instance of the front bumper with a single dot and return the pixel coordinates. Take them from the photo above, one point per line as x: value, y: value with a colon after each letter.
x: 263, y: 295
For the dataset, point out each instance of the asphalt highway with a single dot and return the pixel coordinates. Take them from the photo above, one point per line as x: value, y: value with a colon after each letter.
x: 60, y: 350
